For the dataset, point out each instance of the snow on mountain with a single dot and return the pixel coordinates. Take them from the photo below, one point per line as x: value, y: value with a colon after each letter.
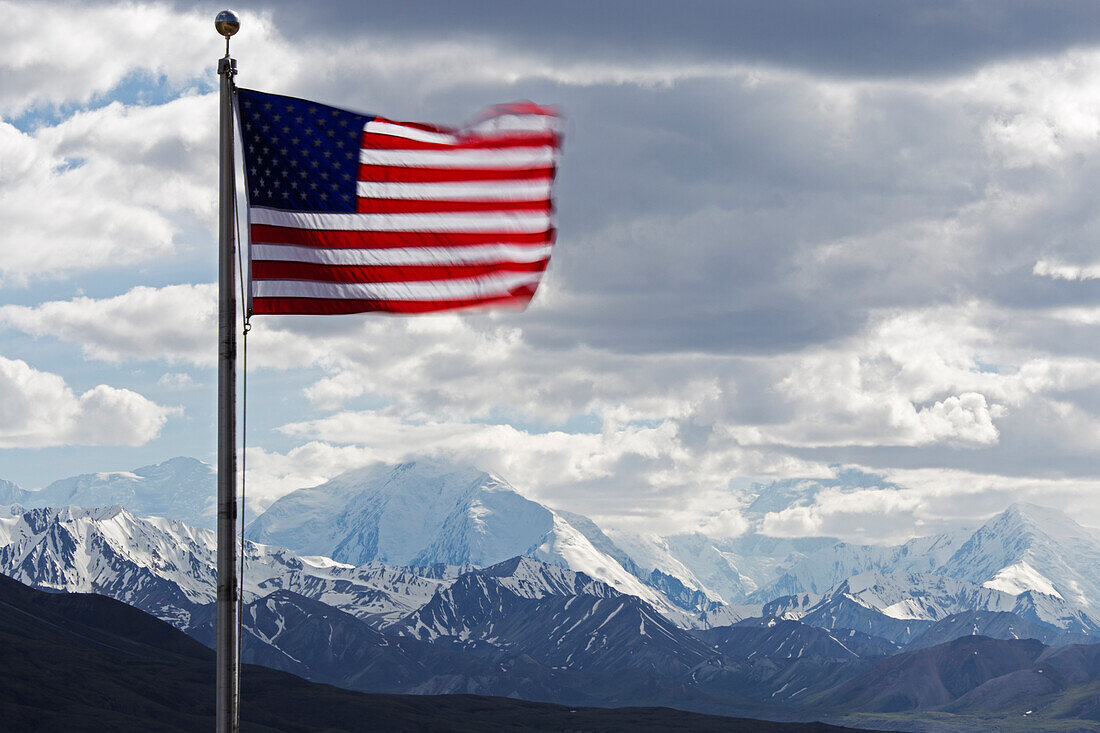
x: 179, y: 488
x: 377, y: 593
x: 429, y: 512
x: 1053, y: 611
x: 158, y: 565
x: 287, y: 631
x: 1028, y: 547
x: 1025, y: 548
x: 818, y: 571
x: 411, y: 514
x: 791, y: 608
x: 1030, y: 560
x: 900, y: 606
x: 752, y: 568
x: 558, y: 617
x: 11, y: 493
x: 920, y: 595
x: 997, y: 625
x: 169, y: 569
x: 778, y: 639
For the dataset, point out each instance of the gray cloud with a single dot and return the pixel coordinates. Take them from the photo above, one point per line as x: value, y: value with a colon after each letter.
x: 859, y: 38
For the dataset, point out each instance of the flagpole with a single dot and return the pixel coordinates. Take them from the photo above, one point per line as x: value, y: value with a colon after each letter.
x: 227, y: 23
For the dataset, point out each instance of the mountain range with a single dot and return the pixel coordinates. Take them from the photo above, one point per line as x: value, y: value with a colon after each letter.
x: 430, y: 578
x: 179, y: 488
x: 1031, y: 561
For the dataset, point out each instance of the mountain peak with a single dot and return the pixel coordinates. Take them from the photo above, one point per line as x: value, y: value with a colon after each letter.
x: 1027, y: 510
x: 1029, y: 547
x: 176, y: 464
x: 530, y: 578
x: 414, y: 513
x: 402, y: 474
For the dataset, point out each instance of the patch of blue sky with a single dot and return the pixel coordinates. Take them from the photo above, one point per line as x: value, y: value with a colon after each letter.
x: 49, y: 354
x: 139, y: 88
x: 986, y: 368
x: 68, y: 164
x: 276, y: 398
x: 37, y: 468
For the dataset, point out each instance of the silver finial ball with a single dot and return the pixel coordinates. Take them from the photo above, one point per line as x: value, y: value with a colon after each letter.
x: 227, y: 23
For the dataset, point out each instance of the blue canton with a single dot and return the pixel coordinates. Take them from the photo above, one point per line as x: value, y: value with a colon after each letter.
x: 299, y: 155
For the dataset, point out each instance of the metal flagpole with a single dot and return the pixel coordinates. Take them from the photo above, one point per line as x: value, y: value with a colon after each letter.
x: 227, y: 23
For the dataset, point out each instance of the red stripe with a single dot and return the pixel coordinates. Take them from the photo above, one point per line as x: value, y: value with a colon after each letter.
x: 518, y: 298
x: 403, y: 174
x: 281, y: 270
x: 416, y: 206
x: 382, y: 141
x: 339, y: 239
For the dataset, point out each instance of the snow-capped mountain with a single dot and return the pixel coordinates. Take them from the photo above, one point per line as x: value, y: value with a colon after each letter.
x: 1028, y: 547
x: 1025, y: 548
x: 754, y: 568
x: 730, y: 570
x: 1033, y: 562
x: 996, y: 625
x: 558, y: 617
x: 901, y: 607
x: 11, y: 493
x: 179, y: 488
x: 168, y: 569
x: 287, y: 631
x: 429, y: 512
x: 818, y: 571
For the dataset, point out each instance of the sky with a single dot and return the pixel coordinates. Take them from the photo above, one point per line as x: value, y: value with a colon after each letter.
x: 852, y: 243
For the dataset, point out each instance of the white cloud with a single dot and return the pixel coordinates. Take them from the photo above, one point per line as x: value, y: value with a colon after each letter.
x: 175, y: 380
x: 965, y: 419
x: 885, y: 516
x: 61, y: 52
x: 39, y: 409
x: 106, y: 187
x: 1062, y: 271
x: 619, y: 474
x: 177, y: 323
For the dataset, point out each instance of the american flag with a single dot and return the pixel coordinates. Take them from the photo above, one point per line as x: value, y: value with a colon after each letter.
x: 351, y: 213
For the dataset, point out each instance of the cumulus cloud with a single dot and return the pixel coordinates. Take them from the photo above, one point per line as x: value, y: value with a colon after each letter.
x: 174, y: 324
x: 103, y: 188
x: 41, y: 410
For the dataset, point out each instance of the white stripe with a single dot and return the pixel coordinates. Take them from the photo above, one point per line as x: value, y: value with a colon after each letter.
x: 479, y: 254
x: 377, y: 127
x: 518, y: 222
x: 518, y: 123
x: 460, y: 191
x: 530, y: 157
x: 493, y: 125
x: 471, y: 288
